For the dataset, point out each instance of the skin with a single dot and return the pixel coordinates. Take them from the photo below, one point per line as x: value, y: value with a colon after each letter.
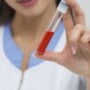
x: 76, y: 54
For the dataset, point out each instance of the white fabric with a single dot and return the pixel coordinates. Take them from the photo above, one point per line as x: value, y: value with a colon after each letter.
x: 45, y: 76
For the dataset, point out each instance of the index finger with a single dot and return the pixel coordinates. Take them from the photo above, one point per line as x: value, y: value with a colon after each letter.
x: 77, y: 11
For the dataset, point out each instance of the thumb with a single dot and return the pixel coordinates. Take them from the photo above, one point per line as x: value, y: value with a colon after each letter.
x: 57, y: 57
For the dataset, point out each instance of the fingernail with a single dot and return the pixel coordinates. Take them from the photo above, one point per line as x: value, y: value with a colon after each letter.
x: 73, y: 49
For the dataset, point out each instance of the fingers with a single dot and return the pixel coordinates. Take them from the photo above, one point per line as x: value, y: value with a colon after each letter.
x: 48, y: 55
x: 76, y: 33
x: 52, y: 56
x: 68, y: 21
x: 77, y: 11
x: 86, y: 38
x: 79, y: 34
x: 79, y: 39
x: 78, y: 17
x: 75, y: 37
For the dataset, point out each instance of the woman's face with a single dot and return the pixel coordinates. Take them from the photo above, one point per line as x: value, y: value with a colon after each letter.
x: 30, y: 7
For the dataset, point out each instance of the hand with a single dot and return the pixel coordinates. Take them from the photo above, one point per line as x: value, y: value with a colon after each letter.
x: 76, y: 54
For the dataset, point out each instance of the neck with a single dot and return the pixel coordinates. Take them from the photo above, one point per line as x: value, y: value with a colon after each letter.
x: 28, y: 31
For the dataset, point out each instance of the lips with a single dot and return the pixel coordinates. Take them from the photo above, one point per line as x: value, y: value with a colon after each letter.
x: 22, y: 1
x: 26, y: 3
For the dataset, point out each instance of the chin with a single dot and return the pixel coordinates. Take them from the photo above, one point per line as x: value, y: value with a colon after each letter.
x: 31, y: 14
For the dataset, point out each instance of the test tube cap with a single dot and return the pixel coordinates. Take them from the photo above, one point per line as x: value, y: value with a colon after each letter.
x: 62, y: 7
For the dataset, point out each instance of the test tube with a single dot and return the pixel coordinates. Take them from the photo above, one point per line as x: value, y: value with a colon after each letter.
x: 61, y: 9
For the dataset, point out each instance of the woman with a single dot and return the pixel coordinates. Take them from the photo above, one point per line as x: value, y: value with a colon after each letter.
x: 22, y: 24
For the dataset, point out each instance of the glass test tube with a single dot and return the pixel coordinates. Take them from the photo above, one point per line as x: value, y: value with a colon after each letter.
x: 49, y: 33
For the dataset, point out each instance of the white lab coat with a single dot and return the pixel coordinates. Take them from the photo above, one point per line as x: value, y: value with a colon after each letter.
x: 45, y: 76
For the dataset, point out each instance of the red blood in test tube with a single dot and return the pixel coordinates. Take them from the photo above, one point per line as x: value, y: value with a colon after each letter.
x: 44, y: 43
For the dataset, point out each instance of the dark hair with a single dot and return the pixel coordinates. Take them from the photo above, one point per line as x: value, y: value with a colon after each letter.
x: 7, y: 13
x: 57, y: 2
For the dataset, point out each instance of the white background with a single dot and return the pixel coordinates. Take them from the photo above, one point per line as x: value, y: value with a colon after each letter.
x: 85, y: 4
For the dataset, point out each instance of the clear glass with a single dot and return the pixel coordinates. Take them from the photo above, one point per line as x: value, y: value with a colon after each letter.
x: 49, y: 33
x: 55, y: 21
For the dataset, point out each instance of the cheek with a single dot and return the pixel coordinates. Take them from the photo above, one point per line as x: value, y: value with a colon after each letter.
x: 11, y: 3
